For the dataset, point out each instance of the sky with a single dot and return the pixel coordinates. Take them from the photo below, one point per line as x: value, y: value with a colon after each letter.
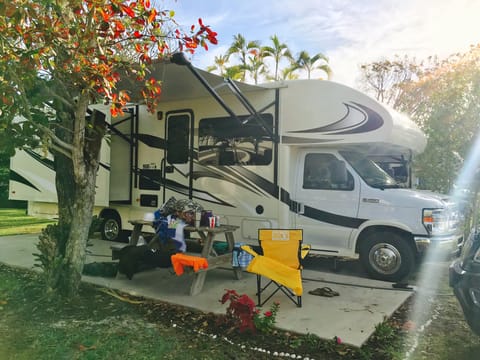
x: 348, y: 32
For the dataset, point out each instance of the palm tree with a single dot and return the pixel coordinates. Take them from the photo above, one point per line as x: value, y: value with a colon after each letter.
x: 220, y: 64
x: 277, y: 52
x: 307, y: 63
x: 234, y: 72
x: 242, y: 48
x: 288, y: 73
x: 256, y: 66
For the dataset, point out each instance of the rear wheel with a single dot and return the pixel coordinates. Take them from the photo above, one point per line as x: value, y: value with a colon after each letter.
x: 387, y: 256
x: 111, y: 227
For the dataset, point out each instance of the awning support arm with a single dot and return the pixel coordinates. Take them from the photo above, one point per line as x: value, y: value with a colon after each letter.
x: 179, y: 59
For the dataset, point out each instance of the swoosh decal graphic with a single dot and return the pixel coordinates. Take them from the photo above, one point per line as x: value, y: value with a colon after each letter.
x: 197, y: 194
x: 225, y: 173
x: 152, y: 141
x: 358, y: 119
x: 320, y: 215
x: 43, y: 160
x: 14, y: 176
x: 333, y: 219
x: 261, y: 182
x: 310, y: 212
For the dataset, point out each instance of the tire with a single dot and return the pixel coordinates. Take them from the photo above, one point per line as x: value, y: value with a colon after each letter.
x: 387, y: 256
x: 111, y: 227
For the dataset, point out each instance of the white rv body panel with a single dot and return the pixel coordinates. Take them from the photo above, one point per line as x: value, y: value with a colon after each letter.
x: 40, y: 186
x: 41, y: 178
x: 32, y: 178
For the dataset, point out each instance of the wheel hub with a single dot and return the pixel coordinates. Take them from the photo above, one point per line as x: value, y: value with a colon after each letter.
x: 385, y: 258
x: 111, y: 230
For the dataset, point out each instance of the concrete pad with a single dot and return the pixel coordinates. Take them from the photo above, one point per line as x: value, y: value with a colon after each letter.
x: 352, y: 316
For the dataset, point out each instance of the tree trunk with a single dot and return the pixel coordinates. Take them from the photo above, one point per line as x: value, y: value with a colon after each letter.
x: 81, y: 206
x: 75, y: 183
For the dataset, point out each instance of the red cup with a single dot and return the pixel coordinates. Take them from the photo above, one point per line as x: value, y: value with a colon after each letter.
x: 211, y: 221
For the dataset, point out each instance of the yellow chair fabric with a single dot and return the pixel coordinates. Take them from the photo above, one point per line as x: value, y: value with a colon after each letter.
x: 281, y: 262
x: 278, y: 272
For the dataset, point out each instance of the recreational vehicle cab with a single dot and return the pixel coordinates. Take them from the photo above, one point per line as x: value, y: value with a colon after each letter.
x: 293, y: 154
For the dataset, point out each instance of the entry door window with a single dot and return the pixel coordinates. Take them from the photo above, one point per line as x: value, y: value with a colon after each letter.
x: 319, y: 173
x: 178, y: 139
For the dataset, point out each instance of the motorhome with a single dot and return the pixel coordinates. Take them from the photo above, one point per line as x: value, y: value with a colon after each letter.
x: 290, y: 154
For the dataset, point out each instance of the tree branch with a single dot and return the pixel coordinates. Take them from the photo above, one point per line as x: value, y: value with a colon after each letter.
x: 55, y: 140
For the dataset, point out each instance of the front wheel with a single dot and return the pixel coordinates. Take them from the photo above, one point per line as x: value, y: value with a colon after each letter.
x: 387, y: 256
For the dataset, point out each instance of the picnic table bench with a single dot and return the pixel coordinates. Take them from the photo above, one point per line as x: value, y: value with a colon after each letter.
x: 207, y: 236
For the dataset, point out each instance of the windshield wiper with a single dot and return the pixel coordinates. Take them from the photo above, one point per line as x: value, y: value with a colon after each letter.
x: 383, y: 186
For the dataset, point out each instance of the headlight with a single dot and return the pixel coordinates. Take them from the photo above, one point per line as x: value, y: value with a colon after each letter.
x: 437, y: 221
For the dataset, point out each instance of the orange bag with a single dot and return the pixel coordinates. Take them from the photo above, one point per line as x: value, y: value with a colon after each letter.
x: 179, y: 261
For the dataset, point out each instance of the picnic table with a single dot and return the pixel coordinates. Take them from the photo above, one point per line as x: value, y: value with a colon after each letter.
x: 207, y: 236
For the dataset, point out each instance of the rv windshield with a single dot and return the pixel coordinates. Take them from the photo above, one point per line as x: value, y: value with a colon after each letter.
x: 370, y: 172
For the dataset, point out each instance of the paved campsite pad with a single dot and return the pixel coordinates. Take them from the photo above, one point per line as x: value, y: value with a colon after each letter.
x: 352, y: 316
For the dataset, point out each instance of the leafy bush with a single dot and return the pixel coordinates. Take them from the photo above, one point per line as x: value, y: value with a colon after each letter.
x: 244, y: 315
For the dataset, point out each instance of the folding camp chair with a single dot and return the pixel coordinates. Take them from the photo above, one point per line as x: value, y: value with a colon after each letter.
x: 280, y: 262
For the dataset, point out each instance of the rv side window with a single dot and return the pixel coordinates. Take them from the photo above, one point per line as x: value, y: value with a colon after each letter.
x: 230, y: 141
x: 177, y: 139
x: 324, y: 172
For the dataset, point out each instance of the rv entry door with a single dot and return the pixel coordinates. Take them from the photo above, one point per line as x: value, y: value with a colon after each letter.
x: 177, y: 166
x: 327, y: 201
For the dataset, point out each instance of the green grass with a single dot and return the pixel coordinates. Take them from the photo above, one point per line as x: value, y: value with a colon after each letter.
x: 15, y: 222
x: 92, y: 326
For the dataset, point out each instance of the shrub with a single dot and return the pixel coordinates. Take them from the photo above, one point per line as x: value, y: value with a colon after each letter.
x: 243, y: 315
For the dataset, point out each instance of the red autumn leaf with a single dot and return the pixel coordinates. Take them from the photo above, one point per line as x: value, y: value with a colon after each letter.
x: 127, y: 10
x: 152, y: 16
x: 147, y: 4
x: 124, y: 96
x: 137, y: 34
x: 119, y: 26
x: 105, y: 16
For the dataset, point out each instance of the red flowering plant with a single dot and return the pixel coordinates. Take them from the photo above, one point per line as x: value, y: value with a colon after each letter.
x: 244, y: 315
x: 266, y: 321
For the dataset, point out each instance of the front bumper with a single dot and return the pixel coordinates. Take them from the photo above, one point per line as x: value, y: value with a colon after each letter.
x: 450, y: 244
x: 466, y: 287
